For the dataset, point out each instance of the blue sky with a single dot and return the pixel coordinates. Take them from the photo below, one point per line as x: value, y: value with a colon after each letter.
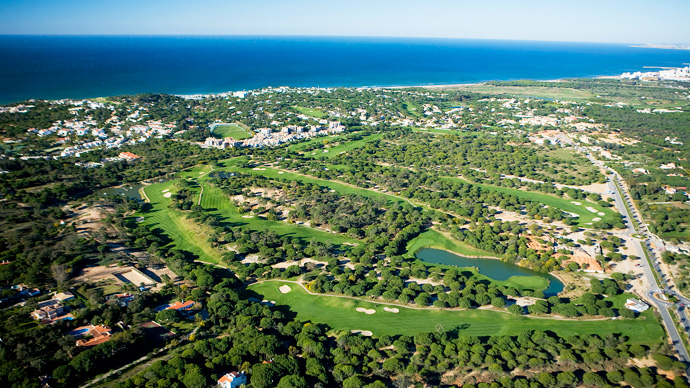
x: 630, y: 21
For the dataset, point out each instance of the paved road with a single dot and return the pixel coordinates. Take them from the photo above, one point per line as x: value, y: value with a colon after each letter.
x: 623, y: 199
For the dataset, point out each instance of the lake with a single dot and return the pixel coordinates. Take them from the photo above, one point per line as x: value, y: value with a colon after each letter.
x: 493, y: 268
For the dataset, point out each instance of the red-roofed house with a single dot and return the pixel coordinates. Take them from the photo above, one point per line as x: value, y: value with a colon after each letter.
x: 96, y: 335
x: 232, y: 380
x: 182, y: 306
x: 128, y: 155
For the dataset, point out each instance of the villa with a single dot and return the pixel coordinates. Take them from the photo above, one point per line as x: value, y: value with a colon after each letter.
x: 232, y: 380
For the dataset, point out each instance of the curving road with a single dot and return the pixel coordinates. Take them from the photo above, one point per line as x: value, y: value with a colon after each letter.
x: 623, y: 203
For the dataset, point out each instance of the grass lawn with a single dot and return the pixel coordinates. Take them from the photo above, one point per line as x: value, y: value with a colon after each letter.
x: 231, y: 130
x: 310, y: 112
x: 562, y: 203
x: 340, y: 314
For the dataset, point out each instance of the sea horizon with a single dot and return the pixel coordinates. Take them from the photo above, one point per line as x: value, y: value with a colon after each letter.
x: 89, y: 66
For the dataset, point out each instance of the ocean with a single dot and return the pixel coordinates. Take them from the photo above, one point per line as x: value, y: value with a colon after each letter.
x: 55, y: 67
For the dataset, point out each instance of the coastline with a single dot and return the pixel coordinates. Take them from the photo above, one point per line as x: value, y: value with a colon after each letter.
x: 228, y: 92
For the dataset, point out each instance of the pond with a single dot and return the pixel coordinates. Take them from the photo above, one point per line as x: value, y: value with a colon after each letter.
x: 493, y: 268
x: 131, y: 191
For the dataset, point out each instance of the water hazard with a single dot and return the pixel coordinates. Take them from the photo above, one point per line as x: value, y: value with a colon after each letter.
x: 492, y: 268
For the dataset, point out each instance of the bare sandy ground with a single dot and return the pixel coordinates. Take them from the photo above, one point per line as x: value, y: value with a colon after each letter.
x: 284, y: 289
x: 301, y: 263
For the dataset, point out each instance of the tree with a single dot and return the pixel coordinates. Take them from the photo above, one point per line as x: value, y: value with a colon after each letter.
x: 592, y: 379
x: 194, y: 379
x: 516, y: 309
x: 353, y: 382
x: 292, y: 381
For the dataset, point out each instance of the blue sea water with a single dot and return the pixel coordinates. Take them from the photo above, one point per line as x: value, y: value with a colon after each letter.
x: 53, y: 67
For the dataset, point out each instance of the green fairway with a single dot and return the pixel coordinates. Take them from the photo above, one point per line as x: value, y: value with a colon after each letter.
x: 231, y: 130
x: 340, y: 314
x: 310, y: 112
x: 339, y: 187
x: 344, y: 146
x: 184, y: 233
x: 214, y: 201
x: 435, y: 239
x: 565, y: 204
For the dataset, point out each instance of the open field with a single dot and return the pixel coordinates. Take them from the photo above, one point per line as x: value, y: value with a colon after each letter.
x: 231, y: 130
x: 340, y: 314
x: 562, y: 203
x: 310, y: 112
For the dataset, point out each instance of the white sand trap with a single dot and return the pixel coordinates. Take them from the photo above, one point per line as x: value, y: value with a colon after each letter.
x: 285, y: 289
x: 576, y: 203
x: 139, y: 219
x: 601, y: 213
x: 167, y: 195
x: 165, y: 191
x: 593, y: 210
x: 258, y: 169
x: 596, y: 219
x: 365, y: 333
x: 247, y: 216
x: 365, y: 311
x: 393, y: 310
x: 281, y: 172
x: 202, y: 173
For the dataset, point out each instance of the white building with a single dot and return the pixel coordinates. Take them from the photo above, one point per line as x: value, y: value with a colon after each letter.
x: 636, y: 305
x: 232, y: 380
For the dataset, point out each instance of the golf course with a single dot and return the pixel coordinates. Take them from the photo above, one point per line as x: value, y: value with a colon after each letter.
x: 340, y: 313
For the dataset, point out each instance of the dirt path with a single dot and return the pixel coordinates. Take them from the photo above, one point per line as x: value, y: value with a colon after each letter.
x: 142, y: 192
x: 301, y: 284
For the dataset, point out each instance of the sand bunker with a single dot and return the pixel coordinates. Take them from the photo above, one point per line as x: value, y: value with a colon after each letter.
x: 576, y: 203
x: 281, y: 172
x: 601, y: 213
x: 365, y: 311
x: 247, y: 216
x: 167, y: 195
x: 258, y: 169
x: 165, y: 191
x: 139, y: 219
x: 596, y: 219
x: 393, y: 310
x: 365, y: 333
x: 593, y: 210
x: 285, y: 289
x: 201, y: 173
